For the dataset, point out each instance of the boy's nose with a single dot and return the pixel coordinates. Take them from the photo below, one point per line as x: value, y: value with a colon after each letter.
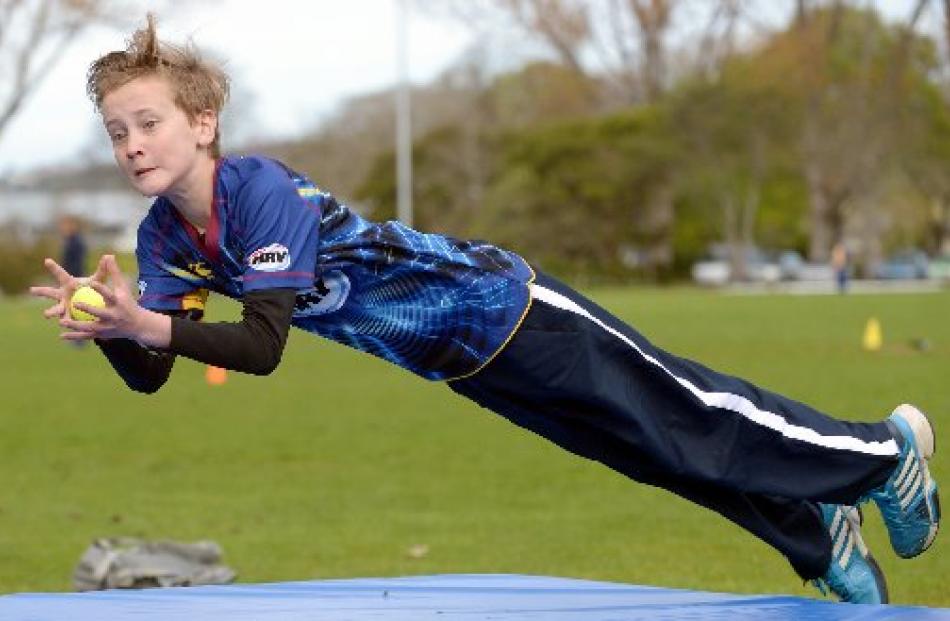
x: 133, y: 146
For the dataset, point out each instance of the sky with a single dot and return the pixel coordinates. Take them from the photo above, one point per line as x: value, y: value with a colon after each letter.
x: 298, y: 59
x: 292, y: 62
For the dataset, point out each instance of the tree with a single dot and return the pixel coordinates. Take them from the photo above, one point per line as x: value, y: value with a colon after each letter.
x: 460, y: 119
x: 344, y: 148
x: 626, y: 37
x: 856, y: 75
x: 34, y: 36
x: 571, y: 194
x: 925, y: 159
x: 735, y: 131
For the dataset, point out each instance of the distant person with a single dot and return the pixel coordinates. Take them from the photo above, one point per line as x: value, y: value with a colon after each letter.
x: 73, y: 252
x: 477, y: 317
x: 839, y: 263
x: 74, y: 249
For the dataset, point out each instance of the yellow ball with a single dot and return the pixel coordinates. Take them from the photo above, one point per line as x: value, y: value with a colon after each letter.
x: 88, y: 296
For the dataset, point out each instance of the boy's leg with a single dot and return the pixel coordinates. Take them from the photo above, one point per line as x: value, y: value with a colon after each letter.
x: 588, y: 382
x: 820, y: 545
x: 793, y: 527
x: 572, y: 360
x: 700, y: 424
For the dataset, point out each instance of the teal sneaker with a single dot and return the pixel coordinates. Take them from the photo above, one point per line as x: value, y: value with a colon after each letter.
x: 853, y: 575
x: 908, y: 500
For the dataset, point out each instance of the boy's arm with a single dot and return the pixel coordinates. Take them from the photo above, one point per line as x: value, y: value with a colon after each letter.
x: 142, y: 369
x: 252, y: 345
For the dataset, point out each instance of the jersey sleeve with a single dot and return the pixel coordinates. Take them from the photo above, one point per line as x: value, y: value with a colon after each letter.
x: 162, y: 287
x: 281, y: 232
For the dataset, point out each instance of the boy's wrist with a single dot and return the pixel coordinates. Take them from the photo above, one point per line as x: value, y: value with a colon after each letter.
x: 153, y: 329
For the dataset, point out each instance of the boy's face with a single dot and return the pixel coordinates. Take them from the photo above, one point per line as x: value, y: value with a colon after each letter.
x: 154, y: 142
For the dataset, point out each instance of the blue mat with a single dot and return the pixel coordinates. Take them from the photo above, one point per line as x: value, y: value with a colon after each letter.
x: 445, y: 598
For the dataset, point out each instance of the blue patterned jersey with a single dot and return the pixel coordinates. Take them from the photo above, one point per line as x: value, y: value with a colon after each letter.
x: 437, y: 306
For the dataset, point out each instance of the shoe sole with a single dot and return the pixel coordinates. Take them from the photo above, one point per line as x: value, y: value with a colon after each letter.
x: 879, y: 575
x: 856, y: 517
x: 922, y: 428
x: 925, y: 440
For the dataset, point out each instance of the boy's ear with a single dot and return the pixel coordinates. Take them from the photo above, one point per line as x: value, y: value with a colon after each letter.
x: 206, y: 122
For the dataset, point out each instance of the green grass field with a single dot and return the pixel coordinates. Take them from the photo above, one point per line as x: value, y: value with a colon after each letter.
x: 337, y: 464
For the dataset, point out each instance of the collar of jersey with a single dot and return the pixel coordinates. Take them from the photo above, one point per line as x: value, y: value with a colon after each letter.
x: 207, y: 244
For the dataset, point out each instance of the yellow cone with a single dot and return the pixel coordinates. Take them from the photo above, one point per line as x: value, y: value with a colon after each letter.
x: 215, y: 376
x: 873, y: 337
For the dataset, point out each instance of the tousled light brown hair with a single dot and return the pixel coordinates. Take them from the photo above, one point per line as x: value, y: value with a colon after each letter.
x: 197, y: 84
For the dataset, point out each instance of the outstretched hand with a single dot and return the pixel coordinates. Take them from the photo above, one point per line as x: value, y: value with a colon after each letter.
x: 121, y: 317
x: 66, y: 287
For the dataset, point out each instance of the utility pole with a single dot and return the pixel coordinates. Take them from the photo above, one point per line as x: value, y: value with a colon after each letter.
x: 403, y: 117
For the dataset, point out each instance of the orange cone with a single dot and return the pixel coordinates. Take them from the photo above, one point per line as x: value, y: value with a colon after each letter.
x: 215, y: 376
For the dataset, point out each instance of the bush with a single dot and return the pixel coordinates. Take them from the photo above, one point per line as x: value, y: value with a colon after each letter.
x: 22, y: 261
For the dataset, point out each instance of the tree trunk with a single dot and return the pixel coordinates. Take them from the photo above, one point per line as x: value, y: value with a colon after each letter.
x: 737, y: 255
x: 656, y: 226
x: 653, y: 20
x: 942, y: 226
x: 821, y: 237
x: 801, y: 12
x: 750, y: 209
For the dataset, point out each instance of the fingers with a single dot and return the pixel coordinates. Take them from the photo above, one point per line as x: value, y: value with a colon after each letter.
x: 77, y: 336
x: 53, y: 293
x: 104, y: 291
x: 91, y: 328
x: 108, y: 269
x: 61, y: 275
x: 107, y: 316
x: 55, y: 310
x: 100, y: 273
x: 96, y: 311
x: 115, y: 274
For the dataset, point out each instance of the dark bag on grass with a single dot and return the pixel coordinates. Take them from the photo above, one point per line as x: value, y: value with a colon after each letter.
x: 127, y: 563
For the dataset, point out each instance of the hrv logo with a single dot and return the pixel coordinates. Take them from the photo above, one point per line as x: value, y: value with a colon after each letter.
x: 273, y: 258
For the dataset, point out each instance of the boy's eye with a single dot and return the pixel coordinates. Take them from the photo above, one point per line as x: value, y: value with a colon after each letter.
x: 117, y: 136
x: 150, y: 124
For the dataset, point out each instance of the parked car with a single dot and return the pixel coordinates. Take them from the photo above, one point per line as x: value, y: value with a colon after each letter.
x: 711, y: 272
x: 794, y: 267
x: 939, y: 268
x: 907, y: 264
x: 716, y: 270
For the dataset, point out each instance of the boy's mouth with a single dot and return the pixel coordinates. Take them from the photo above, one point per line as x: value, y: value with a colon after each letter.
x: 141, y: 172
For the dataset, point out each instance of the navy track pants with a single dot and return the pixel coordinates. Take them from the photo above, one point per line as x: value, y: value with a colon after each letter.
x: 588, y: 382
